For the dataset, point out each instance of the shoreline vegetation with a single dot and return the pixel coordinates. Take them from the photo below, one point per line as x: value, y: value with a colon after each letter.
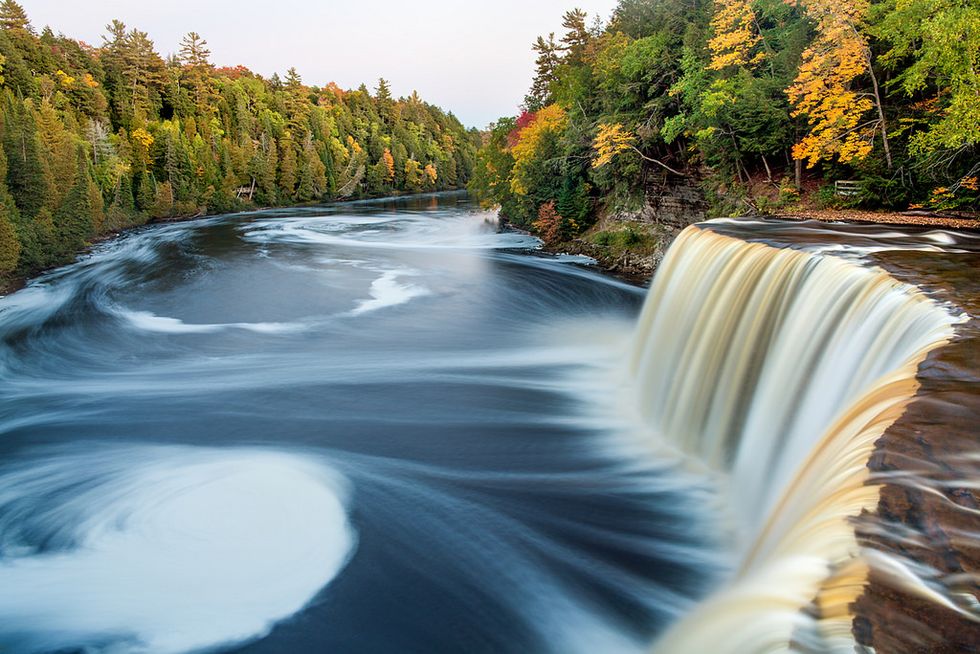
x: 665, y: 115
x: 12, y: 284
x: 98, y: 139
x: 631, y: 248
x: 672, y: 112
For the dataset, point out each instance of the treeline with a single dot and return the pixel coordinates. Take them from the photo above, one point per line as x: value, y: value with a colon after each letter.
x: 788, y: 96
x: 97, y: 139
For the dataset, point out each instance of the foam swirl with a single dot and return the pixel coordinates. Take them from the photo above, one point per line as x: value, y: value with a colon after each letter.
x: 163, y: 548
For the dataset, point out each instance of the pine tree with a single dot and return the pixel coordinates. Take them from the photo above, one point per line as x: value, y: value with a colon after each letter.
x: 287, y: 171
x: 576, y: 38
x: 196, y: 58
x: 297, y: 105
x: 545, y: 64
x: 25, y: 169
x: 178, y: 169
x: 73, y: 220
x: 13, y: 17
x: 146, y: 192
x: 194, y: 52
x: 9, y: 242
x: 263, y: 169
x: 383, y: 92
x: 58, y: 148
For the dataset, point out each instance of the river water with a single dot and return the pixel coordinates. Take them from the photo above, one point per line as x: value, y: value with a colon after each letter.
x: 369, y: 427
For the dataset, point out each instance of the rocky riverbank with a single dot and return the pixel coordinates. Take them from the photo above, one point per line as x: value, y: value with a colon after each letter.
x: 631, y: 245
x: 929, y: 461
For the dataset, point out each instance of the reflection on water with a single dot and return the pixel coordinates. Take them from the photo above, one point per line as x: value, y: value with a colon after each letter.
x: 347, y: 429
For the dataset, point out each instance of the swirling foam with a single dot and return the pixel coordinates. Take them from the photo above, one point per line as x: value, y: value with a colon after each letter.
x: 147, y: 321
x: 163, y: 548
x: 387, y: 292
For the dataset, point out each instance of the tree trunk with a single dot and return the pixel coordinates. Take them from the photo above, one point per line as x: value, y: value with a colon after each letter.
x: 881, y: 113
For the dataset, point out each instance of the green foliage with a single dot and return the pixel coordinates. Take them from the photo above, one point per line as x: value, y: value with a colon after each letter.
x: 703, y: 88
x: 934, y: 46
x: 99, y: 139
x: 628, y: 238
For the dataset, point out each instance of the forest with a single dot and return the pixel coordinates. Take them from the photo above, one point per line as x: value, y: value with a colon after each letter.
x: 101, y: 138
x: 763, y: 103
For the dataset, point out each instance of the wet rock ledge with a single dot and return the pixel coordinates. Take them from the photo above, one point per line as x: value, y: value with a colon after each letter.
x: 932, y: 456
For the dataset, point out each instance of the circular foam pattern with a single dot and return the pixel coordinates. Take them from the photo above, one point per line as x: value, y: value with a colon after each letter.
x: 163, y: 548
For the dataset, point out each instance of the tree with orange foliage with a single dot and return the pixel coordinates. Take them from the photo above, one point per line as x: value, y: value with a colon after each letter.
x: 430, y: 174
x: 389, y: 162
x: 548, y: 222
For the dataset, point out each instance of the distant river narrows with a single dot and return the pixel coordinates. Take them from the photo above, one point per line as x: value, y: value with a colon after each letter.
x: 369, y: 427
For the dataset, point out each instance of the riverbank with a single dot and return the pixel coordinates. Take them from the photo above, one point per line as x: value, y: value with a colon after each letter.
x: 927, y: 460
x: 631, y: 247
x: 16, y: 282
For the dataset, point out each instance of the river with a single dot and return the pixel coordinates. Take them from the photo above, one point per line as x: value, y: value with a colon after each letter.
x: 377, y: 426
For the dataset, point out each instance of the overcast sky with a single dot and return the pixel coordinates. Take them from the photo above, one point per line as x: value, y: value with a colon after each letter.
x: 472, y: 58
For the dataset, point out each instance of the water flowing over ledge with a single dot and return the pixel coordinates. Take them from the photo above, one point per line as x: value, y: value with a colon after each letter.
x: 457, y: 407
x: 780, y: 368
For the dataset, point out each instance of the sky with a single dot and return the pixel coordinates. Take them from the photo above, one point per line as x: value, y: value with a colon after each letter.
x: 471, y: 58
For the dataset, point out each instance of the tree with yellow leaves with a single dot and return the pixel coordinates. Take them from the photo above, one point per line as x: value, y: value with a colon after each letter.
x: 612, y: 139
x: 824, y: 87
x: 546, y: 123
x: 734, y: 35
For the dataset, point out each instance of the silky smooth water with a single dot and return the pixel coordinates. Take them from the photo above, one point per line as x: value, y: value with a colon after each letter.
x: 369, y: 427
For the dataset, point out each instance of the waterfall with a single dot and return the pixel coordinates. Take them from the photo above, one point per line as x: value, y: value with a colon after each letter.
x: 779, y: 369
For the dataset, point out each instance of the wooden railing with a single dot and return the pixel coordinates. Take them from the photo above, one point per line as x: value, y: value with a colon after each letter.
x: 847, y: 187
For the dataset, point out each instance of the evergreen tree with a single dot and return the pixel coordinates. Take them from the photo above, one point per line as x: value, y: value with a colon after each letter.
x: 196, y: 58
x: 545, y: 63
x: 73, y: 220
x: 383, y: 92
x: 13, y: 17
x: 9, y: 242
x: 83, y: 128
x: 576, y: 38
x: 287, y: 171
x: 26, y: 178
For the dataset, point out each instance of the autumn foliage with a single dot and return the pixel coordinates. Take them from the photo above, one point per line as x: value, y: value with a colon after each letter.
x: 611, y: 140
x: 824, y: 90
x: 798, y: 93
x: 734, y: 35
x: 100, y: 139
x: 549, y: 121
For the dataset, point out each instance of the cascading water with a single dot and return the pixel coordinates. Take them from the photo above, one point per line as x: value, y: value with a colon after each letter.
x: 779, y: 369
x: 386, y: 426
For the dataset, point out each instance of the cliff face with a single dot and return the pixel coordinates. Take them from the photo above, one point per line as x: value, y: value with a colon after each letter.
x: 930, y: 457
x: 674, y: 205
x: 630, y: 244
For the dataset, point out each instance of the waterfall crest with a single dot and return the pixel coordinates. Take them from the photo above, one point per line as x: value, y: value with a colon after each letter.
x: 779, y: 369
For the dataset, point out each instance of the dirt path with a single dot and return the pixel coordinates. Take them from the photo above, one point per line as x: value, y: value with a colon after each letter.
x: 892, y: 218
